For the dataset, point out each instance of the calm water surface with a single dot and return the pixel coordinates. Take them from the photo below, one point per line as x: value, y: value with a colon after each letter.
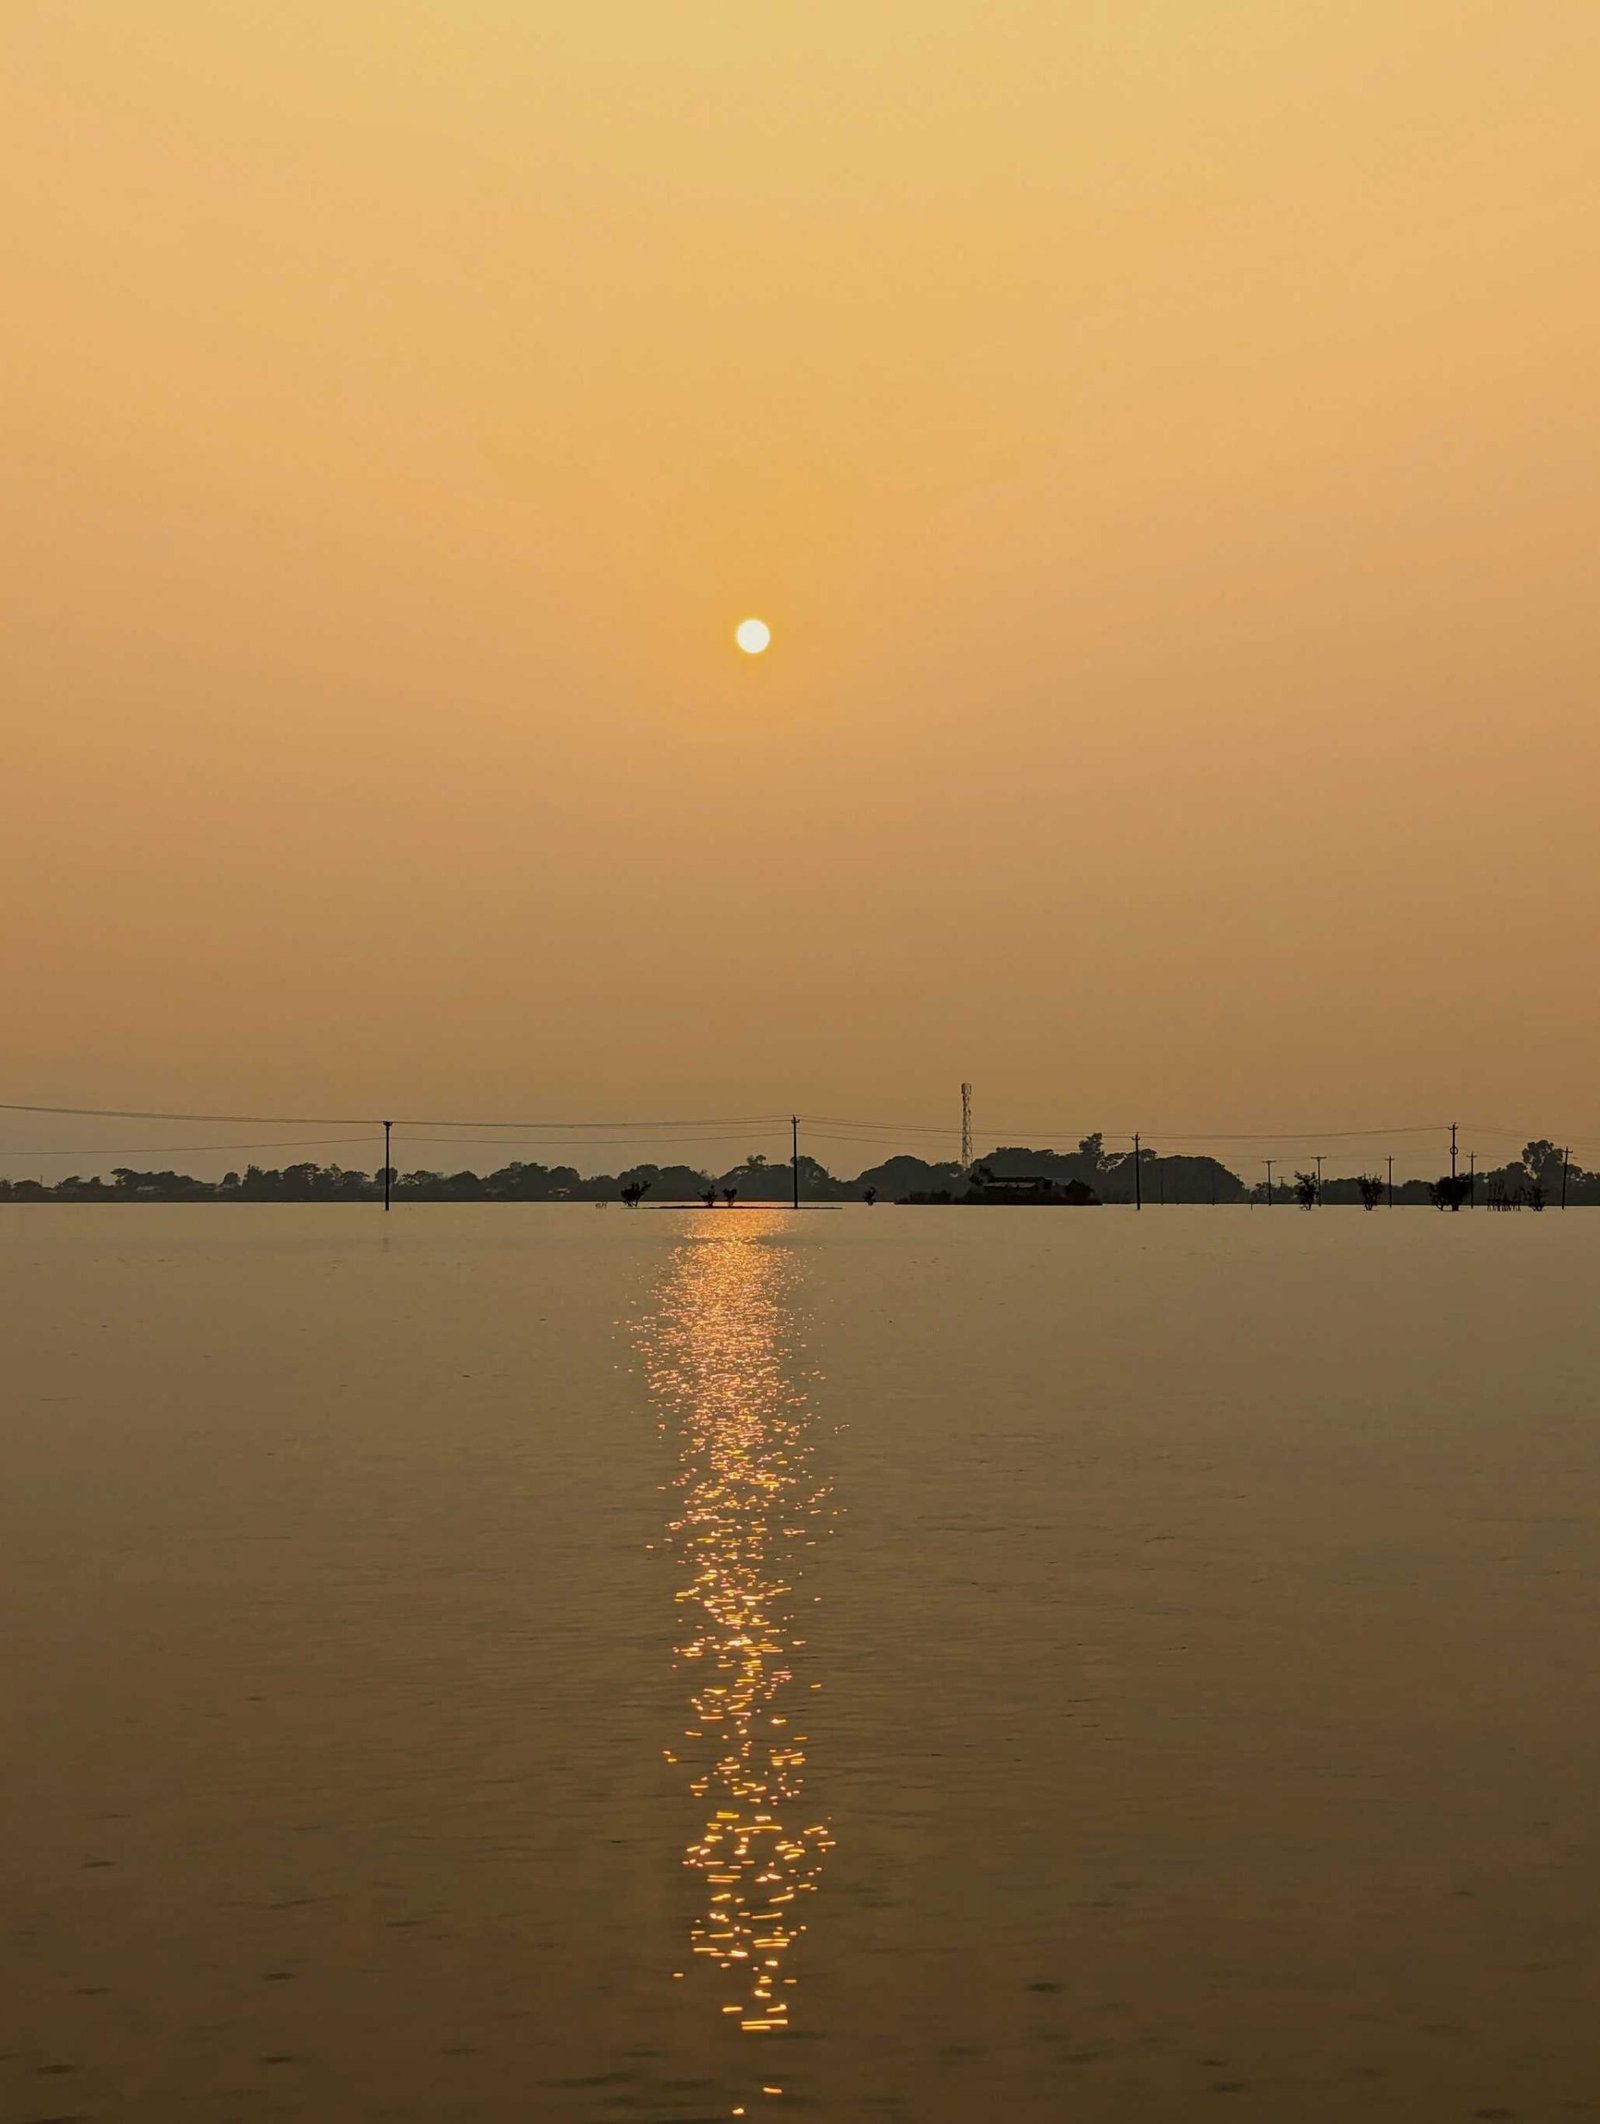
x: 520, y: 1663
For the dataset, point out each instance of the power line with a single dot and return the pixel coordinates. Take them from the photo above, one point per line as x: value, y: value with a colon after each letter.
x: 716, y: 1128
x: 175, y: 1150
x: 125, y: 1113
x: 717, y: 1121
x: 375, y: 1122
x: 560, y: 1142
x: 898, y: 1128
x: 1480, y: 1128
x: 1017, y: 1128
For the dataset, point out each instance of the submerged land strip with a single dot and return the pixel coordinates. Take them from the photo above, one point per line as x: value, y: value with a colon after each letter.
x: 1543, y: 1177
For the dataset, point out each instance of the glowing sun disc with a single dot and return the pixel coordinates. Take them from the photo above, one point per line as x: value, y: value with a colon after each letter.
x: 752, y: 635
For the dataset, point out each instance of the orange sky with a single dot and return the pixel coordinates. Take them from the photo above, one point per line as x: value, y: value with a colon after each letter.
x: 1161, y: 436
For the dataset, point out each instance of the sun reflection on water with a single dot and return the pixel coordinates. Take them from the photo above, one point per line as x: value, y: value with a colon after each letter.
x: 748, y: 1503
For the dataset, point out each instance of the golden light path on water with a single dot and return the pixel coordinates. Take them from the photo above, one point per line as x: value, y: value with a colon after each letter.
x: 748, y: 1503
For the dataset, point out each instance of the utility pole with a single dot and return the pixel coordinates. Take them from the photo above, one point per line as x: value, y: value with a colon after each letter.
x: 1268, y: 1163
x: 1452, y: 1150
x: 1566, y: 1160
x: 794, y: 1169
x: 966, y: 1128
x: 1472, y: 1179
x: 1319, y: 1183
x: 388, y: 1164
x: 1138, y: 1185
x: 1391, y: 1179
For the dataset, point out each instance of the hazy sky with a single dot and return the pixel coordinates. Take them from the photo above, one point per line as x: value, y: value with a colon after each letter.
x: 1161, y: 436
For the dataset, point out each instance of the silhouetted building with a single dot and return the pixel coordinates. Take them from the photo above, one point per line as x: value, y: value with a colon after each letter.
x: 1029, y: 1188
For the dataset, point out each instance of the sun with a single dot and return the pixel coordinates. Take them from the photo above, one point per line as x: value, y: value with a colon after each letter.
x: 752, y: 635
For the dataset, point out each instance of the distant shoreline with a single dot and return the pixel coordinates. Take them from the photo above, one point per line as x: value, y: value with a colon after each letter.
x: 1015, y: 1174
x: 375, y: 1201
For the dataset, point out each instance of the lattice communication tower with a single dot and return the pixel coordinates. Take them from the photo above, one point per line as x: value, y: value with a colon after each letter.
x: 966, y: 1127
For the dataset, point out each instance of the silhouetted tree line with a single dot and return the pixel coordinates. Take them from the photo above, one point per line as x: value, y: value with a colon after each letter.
x: 1533, y: 1181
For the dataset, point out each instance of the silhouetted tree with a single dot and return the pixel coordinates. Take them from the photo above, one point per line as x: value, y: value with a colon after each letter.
x: 634, y: 1191
x: 759, y: 1179
x: 1542, y: 1162
x: 1371, y: 1186
x: 869, y: 1196
x: 1305, y: 1190
x: 165, y: 1185
x: 815, y: 1179
x: 730, y: 1195
x: 709, y: 1197
x: 900, y: 1176
x: 673, y: 1183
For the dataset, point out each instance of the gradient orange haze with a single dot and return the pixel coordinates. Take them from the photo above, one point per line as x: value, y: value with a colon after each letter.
x: 1161, y: 437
